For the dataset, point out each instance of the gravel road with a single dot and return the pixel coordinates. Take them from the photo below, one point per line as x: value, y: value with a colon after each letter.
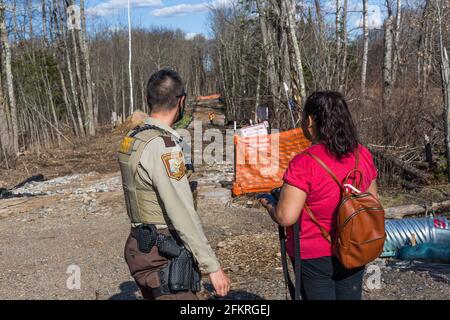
x: 80, y: 221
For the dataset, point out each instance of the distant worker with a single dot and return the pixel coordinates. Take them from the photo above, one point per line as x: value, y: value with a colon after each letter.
x: 212, y: 116
x: 166, y: 248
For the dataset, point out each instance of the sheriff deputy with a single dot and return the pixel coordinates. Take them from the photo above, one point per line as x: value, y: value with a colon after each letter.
x: 158, y: 196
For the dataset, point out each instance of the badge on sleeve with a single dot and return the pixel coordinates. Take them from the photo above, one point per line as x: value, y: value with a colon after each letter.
x: 174, y: 163
x: 127, y: 145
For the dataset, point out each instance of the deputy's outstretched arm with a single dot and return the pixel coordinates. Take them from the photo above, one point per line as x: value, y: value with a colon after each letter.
x: 164, y: 168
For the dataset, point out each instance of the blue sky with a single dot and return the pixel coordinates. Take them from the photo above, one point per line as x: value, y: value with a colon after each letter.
x: 191, y: 16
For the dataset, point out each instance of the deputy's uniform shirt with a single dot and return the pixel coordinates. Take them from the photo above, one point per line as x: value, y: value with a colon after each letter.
x: 162, y: 166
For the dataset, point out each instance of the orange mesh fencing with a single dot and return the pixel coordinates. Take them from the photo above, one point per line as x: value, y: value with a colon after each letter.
x: 260, y: 161
x: 211, y: 97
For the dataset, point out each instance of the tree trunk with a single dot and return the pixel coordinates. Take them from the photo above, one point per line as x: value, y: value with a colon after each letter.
x: 258, y: 88
x: 423, y: 61
x: 85, y: 52
x: 387, y: 68
x: 414, y: 209
x: 272, y: 74
x: 5, y: 142
x: 336, y: 70
x: 344, y: 39
x: 66, y: 101
x: 445, y: 74
x: 130, y: 71
x: 294, y: 41
x: 44, y: 21
x: 6, y: 57
x: 365, y: 51
x: 30, y: 17
x: 397, y: 47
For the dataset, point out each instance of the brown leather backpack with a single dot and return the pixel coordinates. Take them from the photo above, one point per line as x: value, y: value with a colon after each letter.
x: 360, y: 233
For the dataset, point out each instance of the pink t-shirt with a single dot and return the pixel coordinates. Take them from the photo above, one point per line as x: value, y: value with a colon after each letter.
x: 323, y: 195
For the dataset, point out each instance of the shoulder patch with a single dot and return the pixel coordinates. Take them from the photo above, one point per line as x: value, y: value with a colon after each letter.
x: 127, y: 145
x: 168, y: 141
x: 174, y: 163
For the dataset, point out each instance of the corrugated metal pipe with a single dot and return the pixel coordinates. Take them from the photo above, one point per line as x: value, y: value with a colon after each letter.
x: 403, y: 232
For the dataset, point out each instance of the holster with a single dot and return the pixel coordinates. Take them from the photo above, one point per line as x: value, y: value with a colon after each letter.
x: 181, y: 272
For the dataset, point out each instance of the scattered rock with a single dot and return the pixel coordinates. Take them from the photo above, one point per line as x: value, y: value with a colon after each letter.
x: 221, y: 244
x: 218, y: 194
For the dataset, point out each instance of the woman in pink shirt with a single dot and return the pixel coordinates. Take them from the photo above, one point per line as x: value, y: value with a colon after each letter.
x: 328, y: 124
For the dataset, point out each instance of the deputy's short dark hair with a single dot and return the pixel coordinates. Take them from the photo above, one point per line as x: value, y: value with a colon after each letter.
x: 164, y: 89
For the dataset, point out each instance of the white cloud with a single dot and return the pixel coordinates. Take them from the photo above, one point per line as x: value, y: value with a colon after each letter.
x: 190, y: 36
x: 108, y: 7
x: 180, y: 9
x: 185, y: 8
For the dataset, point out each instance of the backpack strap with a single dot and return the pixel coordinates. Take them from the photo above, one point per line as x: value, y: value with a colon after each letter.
x: 357, y: 158
x: 355, y: 172
x: 327, y: 169
x: 325, y: 233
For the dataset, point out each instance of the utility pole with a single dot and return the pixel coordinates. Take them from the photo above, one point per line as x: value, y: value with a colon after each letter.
x: 129, y: 59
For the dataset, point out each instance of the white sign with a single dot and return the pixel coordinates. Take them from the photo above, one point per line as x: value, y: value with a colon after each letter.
x: 256, y: 130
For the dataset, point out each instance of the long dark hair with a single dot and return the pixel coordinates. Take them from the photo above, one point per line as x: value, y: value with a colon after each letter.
x: 333, y: 122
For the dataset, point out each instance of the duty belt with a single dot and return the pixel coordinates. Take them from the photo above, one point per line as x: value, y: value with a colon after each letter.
x: 181, y: 273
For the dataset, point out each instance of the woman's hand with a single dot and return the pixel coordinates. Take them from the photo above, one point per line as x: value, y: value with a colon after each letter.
x: 266, y: 204
x: 289, y: 207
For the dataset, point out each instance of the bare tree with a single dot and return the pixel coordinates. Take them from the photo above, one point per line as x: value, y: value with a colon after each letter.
x: 271, y: 69
x: 92, y: 121
x: 294, y: 41
x: 365, y: 50
x: 344, y: 40
x: 445, y: 74
x: 387, y: 65
x: 397, y: 44
x: 5, y: 143
x: 6, y: 59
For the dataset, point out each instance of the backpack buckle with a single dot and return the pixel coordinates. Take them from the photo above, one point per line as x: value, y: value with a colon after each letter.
x: 352, y: 188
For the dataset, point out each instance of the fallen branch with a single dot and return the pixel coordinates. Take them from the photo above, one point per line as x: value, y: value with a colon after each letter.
x: 414, y: 209
x: 421, y: 165
x: 411, y: 185
x: 407, y: 169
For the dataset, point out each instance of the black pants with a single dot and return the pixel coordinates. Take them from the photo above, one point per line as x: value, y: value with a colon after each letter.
x: 326, y: 278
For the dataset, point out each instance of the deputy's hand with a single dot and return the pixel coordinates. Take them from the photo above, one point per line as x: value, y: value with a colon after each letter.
x: 220, y: 282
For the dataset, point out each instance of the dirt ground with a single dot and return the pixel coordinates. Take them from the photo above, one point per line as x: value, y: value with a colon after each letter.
x: 77, y: 218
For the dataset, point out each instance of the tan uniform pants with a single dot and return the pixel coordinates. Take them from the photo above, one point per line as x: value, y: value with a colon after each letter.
x: 145, y: 267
